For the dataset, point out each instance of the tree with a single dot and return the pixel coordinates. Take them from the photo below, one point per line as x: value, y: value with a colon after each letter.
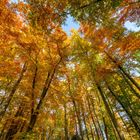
x: 83, y: 86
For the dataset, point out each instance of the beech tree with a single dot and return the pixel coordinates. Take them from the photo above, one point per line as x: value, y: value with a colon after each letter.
x: 85, y: 86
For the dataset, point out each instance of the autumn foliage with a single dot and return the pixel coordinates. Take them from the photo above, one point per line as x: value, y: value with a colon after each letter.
x: 85, y: 86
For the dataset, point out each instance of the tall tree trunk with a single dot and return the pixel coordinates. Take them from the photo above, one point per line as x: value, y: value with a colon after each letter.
x: 78, y: 118
x: 106, y: 131
x: 89, y: 107
x: 128, y: 100
x: 97, y: 119
x: 33, y: 88
x: 13, y: 90
x: 130, y: 85
x: 123, y: 71
x: 125, y: 125
x: 43, y: 95
x: 84, y: 120
x: 112, y: 110
x: 65, y: 122
x: 76, y: 109
x: 76, y: 123
x: 14, y: 125
x: 112, y: 117
x: 125, y: 109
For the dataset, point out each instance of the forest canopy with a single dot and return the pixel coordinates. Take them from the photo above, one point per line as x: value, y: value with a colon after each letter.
x: 85, y: 86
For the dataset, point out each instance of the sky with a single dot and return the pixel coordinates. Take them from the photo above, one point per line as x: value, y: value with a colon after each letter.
x: 131, y: 26
x: 71, y: 24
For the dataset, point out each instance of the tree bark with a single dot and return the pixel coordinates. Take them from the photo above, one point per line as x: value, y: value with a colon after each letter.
x: 89, y: 107
x: 66, y: 123
x: 79, y: 119
x: 14, y: 125
x: 13, y: 90
x: 123, y: 71
x: 84, y: 120
x: 99, y: 126
x: 130, y: 85
x: 112, y: 117
x: 125, y: 109
x: 33, y: 88
x: 43, y: 95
